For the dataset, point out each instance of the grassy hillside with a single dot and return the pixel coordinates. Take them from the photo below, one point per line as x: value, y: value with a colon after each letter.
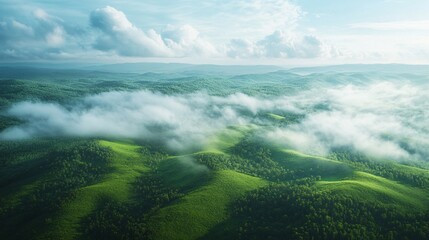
x: 125, y: 166
x: 144, y: 193
x: 312, y: 165
x: 195, y: 214
x: 227, y: 138
x: 370, y: 188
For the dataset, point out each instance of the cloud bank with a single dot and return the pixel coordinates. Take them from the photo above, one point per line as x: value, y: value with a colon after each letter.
x: 211, y: 31
x: 110, y: 33
x: 383, y: 119
x: 124, y: 38
x: 179, y: 121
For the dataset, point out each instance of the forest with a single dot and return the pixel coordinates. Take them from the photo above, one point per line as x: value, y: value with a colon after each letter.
x: 251, y: 163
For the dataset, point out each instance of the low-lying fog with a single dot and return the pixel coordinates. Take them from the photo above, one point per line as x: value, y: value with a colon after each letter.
x: 382, y: 119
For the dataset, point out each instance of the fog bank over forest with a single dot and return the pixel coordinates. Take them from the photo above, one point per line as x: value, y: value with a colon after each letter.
x: 382, y: 119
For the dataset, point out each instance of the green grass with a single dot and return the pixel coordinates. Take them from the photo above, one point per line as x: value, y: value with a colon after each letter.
x: 127, y: 166
x: 339, y: 178
x: 182, y: 172
x: 368, y: 187
x: 202, y: 209
x: 326, y: 168
x: 275, y: 116
x: 207, y: 194
x: 227, y: 138
x: 411, y: 169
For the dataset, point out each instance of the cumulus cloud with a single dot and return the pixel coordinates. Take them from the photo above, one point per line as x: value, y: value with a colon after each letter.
x: 44, y: 36
x: 40, y: 35
x: 123, y: 37
x: 282, y: 44
x: 119, y: 35
x: 186, y: 41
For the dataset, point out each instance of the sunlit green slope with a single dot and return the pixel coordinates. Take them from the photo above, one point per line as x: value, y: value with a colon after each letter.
x: 205, y: 194
x: 202, y: 209
x: 126, y: 164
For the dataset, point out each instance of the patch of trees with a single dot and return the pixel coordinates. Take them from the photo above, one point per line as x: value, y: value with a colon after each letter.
x: 18, y: 153
x: 253, y: 157
x: 69, y: 167
x: 114, y: 220
x: 266, y: 168
x: 128, y: 220
x: 63, y: 85
x: 381, y: 168
x: 6, y: 122
x: 295, y: 210
x: 152, y: 156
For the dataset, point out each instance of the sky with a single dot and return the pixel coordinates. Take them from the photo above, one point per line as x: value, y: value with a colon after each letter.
x: 281, y: 32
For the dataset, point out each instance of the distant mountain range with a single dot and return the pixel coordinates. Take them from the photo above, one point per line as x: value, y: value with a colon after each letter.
x: 385, y: 68
x: 210, y: 69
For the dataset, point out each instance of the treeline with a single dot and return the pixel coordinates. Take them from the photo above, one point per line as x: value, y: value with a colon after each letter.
x: 153, y: 155
x: 63, y: 166
x: 295, y: 210
x: 129, y: 220
x: 71, y: 166
x: 263, y: 167
x: 381, y: 168
x: 64, y: 85
x: 69, y: 169
x: 252, y: 156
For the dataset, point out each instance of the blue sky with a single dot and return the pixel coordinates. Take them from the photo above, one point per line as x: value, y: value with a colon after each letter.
x: 283, y: 32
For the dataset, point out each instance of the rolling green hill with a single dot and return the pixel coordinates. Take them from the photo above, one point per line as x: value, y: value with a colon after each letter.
x: 200, y: 210
x: 233, y: 184
x: 370, y: 188
x: 312, y: 165
x: 200, y: 199
x: 125, y: 166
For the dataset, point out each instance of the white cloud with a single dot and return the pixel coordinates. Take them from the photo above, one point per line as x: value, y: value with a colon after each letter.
x: 186, y: 41
x: 383, y: 119
x: 282, y: 44
x: 121, y: 36
x: 44, y: 36
x: 56, y: 37
x: 178, y: 121
x: 20, y: 28
x: 375, y: 119
x: 41, y: 14
x: 37, y: 36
